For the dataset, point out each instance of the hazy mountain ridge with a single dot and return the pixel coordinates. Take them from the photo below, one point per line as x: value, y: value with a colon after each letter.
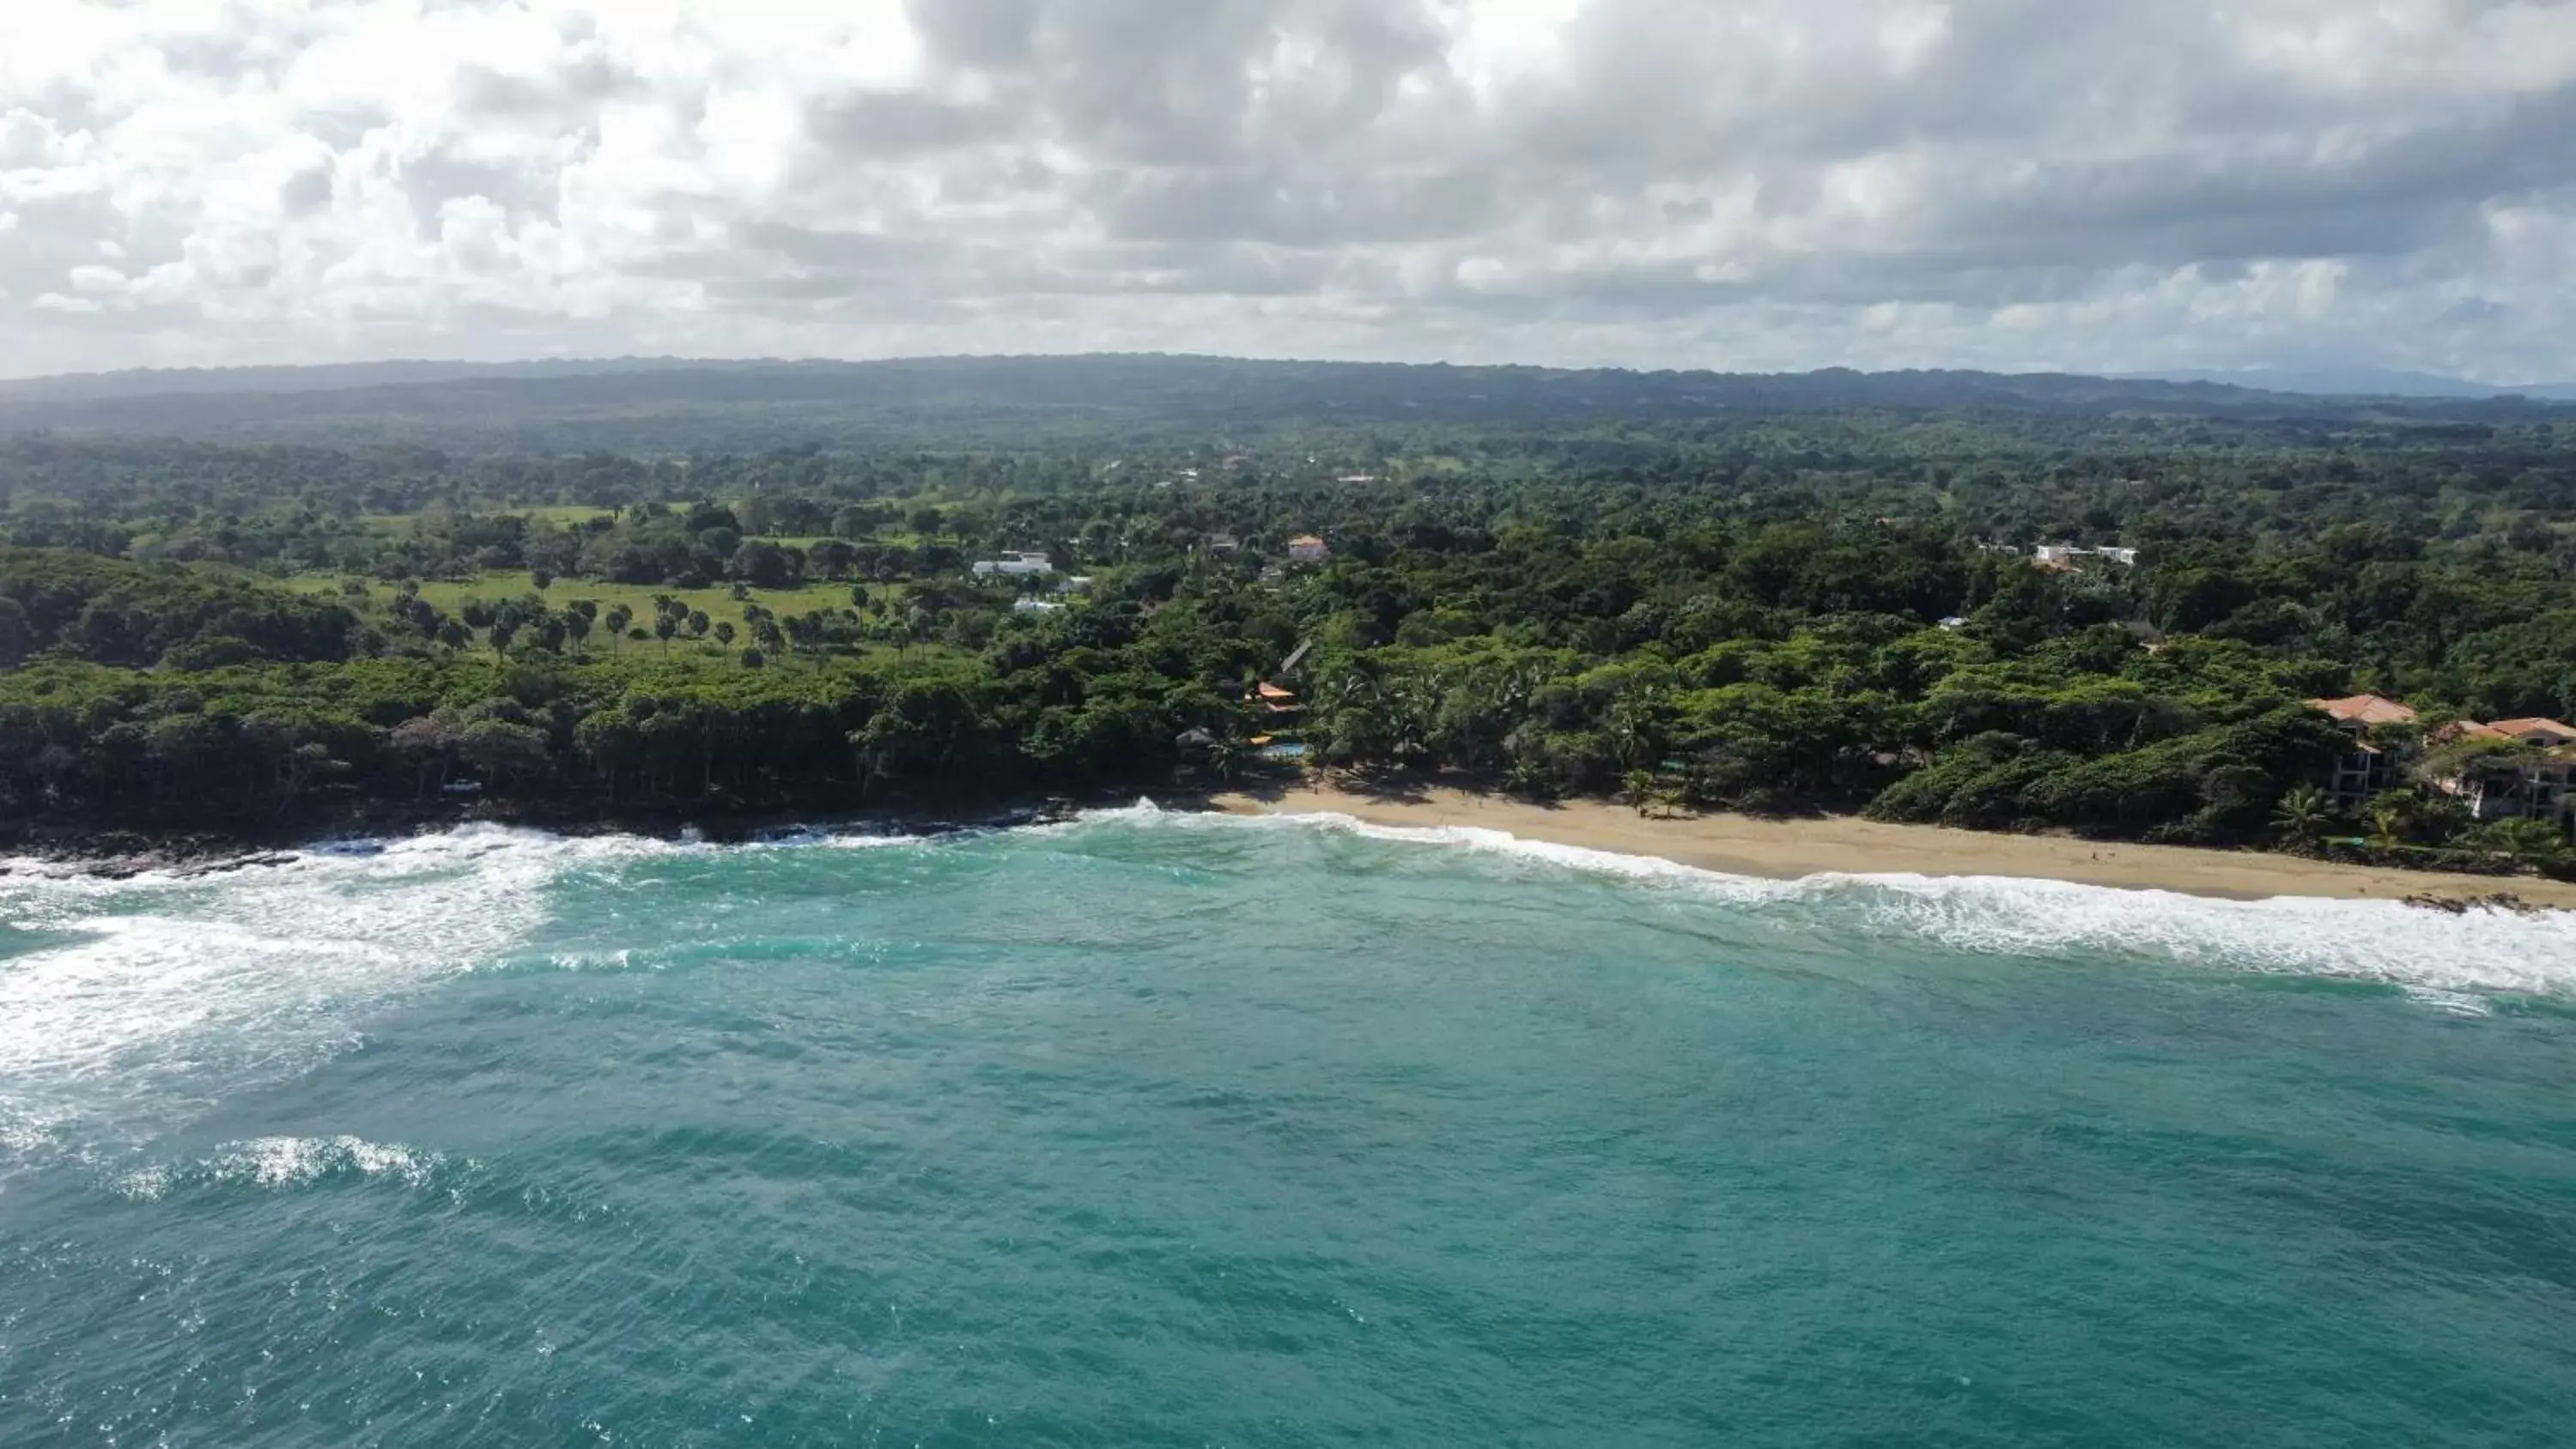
x: 143, y: 382
x: 645, y: 401
x: 2360, y: 382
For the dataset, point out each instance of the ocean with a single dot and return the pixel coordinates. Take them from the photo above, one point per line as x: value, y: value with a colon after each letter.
x: 1165, y: 1129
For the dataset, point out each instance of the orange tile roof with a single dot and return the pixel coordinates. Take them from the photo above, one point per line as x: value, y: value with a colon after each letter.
x: 2517, y: 728
x: 2365, y: 709
x: 1268, y: 690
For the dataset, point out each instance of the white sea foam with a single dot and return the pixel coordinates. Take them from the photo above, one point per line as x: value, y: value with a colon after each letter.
x: 147, y: 997
x: 2481, y: 951
x: 822, y: 837
x: 149, y: 994
x: 2438, y: 957
x: 2457, y: 1003
x: 278, y: 1163
x: 1472, y: 838
x: 164, y: 989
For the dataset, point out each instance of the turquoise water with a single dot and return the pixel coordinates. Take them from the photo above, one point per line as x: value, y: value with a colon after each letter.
x: 1155, y: 1130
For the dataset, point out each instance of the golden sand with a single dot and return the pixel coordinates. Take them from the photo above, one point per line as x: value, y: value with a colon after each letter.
x: 1787, y: 849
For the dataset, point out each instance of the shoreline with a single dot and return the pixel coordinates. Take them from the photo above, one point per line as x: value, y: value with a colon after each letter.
x: 1846, y: 845
x: 123, y: 853
x: 1744, y: 845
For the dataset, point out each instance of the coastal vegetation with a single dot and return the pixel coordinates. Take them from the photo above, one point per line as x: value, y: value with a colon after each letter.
x: 1797, y: 608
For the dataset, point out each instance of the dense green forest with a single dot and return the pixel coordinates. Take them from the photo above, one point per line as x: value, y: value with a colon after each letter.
x: 1791, y: 604
x: 675, y: 408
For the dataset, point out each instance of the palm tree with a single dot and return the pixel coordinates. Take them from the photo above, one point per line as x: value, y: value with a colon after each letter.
x: 1639, y: 786
x: 1634, y: 725
x: 2302, y: 814
x: 1225, y: 757
x: 2527, y: 840
x: 2388, y: 819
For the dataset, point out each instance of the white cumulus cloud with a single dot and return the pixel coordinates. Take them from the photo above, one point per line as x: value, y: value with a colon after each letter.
x: 1725, y: 183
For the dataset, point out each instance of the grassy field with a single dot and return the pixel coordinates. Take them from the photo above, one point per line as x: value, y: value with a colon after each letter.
x: 573, y: 515
x: 562, y: 515
x: 719, y: 602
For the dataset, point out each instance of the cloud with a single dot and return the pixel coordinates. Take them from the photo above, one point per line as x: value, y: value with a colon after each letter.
x: 1728, y: 183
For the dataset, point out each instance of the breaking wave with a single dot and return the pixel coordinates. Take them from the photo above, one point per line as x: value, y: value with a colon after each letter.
x: 126, y: 1002
x: 145, y: 995
x: 2435, y: 956
x: 128, y: 1005
x: 283, y: 1163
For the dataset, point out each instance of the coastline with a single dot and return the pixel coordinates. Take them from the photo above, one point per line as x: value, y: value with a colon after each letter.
x: 122, y: 852
x: 1766, y: 848
x: 1789, y: 849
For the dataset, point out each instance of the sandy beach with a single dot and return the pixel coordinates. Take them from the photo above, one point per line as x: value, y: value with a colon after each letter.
x: 1787, y: 849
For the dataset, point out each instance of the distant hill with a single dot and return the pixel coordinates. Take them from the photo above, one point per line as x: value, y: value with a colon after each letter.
x: 665, y: 403
x: 2363, y: 382
x: 143, y: 382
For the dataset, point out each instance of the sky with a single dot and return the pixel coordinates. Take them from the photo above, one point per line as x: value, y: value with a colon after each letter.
x: 1733, y: 184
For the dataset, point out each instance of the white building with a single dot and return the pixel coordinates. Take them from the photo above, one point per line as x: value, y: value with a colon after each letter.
x: 1013, y: 566
x: 2064, y: 555
x: 2539, y: 784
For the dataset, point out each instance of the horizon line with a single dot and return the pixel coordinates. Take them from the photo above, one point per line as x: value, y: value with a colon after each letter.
x: 2250, y: 378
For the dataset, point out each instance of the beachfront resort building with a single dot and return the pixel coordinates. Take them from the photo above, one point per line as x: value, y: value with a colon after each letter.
x: 2537, y: 787
x: 2366, y: 769
x: 2531, y: 773
x: 2543, y: 733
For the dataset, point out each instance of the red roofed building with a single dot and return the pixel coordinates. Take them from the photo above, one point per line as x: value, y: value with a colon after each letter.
x: 2534, y: 731
x: 2363, y: 711
x: 2366, y: 770
x: 2536, y: 781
